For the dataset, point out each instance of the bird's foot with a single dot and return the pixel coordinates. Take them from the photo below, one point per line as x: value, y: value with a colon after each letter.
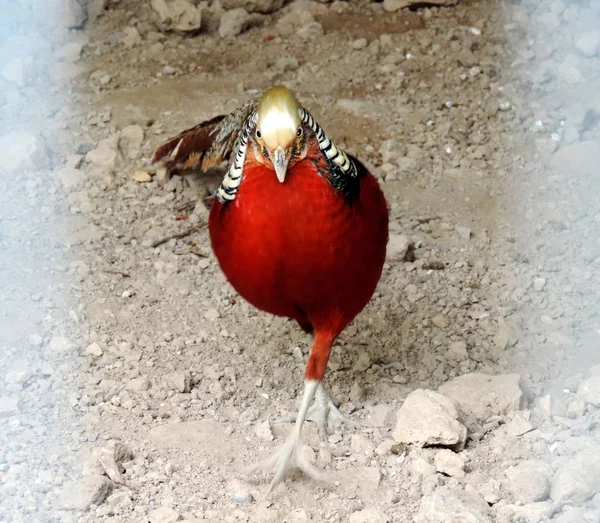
x: 323, y: 412
x: 287, y: 457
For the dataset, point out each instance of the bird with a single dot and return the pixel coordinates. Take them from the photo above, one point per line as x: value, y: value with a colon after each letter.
x: 299, y: 228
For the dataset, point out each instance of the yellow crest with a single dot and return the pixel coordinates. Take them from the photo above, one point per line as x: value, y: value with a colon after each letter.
x: 278, y: 117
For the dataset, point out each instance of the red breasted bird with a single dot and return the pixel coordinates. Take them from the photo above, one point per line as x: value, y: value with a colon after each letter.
x: 298, y: 226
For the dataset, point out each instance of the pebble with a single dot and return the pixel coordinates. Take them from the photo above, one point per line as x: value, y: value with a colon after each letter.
x: 141, y: 177
x: 529, y: 481
x: 19, y: 372
x: 398, y: 246
x: 463, y: 232
x: 164, y: 515
x: 94, y: 350
x: 179, y: 380
x: 363, y: 363
x: 310, y: 31
x: 105, y: 154
x: 589, y: 390
x: 360, y: 43
x: 588, y: 44
x: 177, y: 15
x: 243, y: 498
x: 447, y: 504
x: 428, y: 418
x: 368, y: 516
x: 457, y: 350
x: 449, y: 463
x: 21, y: 151
x: 8, y: 406
x: 483, y: 396
x: 286, y: 63
x: 578, y: 480
x: 83, y: 492
x: 539, y: 284
x: 233, y: 22
x: 61, y: 345
x: 569, y: 73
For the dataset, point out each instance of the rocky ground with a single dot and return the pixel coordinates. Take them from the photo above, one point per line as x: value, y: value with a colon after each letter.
x: 135, y: 385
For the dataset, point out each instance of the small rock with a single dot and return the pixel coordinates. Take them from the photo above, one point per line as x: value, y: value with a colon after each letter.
x: 368, y: 516
x: 588, y: 44
x: 428, y: 418
x: 21, y: 151
x: 180, y: 380
x: 578, y: 480
x: 449, y: 463
x: 131, y: 37
x: 311, y: 31
x: 8, y: 406
x: 518, y: 426
x: 211, y: 314
x: 463, y: 232
x: 589, y: 390
x: 452, y: 505
x: 243, y: 498
x: 537, y: 512
x: 363, y: 363
x: 360, y: 444
x: 36, y: 340
x: 83, y: 492
x: 440, y: 321
x: 360, y: 43
x: 94, y: 350
x: 398, y: 246
x: 457, y: 350
x: 263, y: 431
x: 63, y: 13
x: 286, y: 63
x: 105, y: 154
x: 61, y: 345
x: 529, y: 481
x: 569, y: 73
x: 141, y: 177
x: 164, y: 515
x: 233, y: 23
x: 177, y: 15
x: 483, y: 396
x: 539, y: 284
x: 137, y: 384
x: 16, y: 70
x: 19, y: 372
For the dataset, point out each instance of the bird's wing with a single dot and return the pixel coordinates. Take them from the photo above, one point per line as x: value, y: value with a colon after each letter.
x: 206, y: 145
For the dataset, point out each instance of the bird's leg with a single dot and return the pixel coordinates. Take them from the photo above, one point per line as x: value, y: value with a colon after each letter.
x: 323, y: 412
x: 290, y: 454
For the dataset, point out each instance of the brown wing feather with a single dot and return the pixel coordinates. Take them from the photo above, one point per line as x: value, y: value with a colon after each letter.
x: 206, y: 145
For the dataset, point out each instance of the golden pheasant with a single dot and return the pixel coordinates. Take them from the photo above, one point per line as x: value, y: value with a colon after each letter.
x: 298, y: 226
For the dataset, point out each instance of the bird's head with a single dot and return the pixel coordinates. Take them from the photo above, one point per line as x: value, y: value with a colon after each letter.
x: 279, y: 134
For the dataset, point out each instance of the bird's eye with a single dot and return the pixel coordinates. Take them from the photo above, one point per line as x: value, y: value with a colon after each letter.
x: 299, y: 132
x: 258, y: 134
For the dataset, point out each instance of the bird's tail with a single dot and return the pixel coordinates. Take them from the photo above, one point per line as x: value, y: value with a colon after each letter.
x: 191, y: 150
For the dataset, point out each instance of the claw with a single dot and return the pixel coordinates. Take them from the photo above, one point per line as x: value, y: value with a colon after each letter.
x: 290, y: 454
x: 322, y: 413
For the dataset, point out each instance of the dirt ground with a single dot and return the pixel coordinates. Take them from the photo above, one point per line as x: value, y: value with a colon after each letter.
x: 135, y: 385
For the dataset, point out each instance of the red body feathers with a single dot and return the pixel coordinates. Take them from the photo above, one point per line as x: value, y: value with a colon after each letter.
x: 300, y: 249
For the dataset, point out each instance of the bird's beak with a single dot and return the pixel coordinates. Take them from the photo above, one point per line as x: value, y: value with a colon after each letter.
x: 280, y: 162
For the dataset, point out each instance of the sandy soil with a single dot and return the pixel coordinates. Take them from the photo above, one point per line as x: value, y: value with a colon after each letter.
x: 135, y: 385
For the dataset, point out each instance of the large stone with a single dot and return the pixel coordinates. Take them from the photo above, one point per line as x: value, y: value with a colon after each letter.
x: 529, y: 481
x: 428, y: 418
x: 578, y: 480
x: 83, y: 492
x: 21, y: 151
x: 446, y: 505
x: 482, y: 396
x: 177, y: 15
